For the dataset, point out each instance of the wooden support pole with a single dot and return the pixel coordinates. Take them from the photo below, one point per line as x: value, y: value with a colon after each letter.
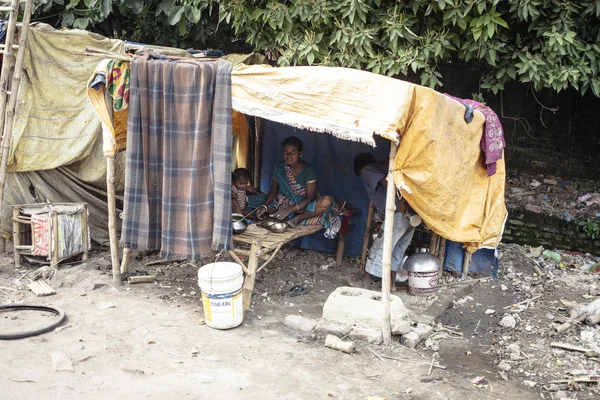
x: 341, y: 246
x: 237, y: 260
x: 55, y: 253
x: 257, y: 150
x: 86, y: 233
x: 16, y: 237
x: 12, y: 100
x: 386, y: 268
x: 251, y: 275
x: 366, y: 237
x: 465, y: 266
x: 441, y: 256
x: 125, y: 260
x: 112, y: 219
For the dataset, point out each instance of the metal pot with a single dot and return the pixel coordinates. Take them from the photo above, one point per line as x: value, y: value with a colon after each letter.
x: 422, y: 262
x: 239, y: 225
x: 422, y: 273
x: 279, y: 227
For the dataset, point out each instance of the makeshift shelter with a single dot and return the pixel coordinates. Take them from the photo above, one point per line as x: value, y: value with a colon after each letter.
x: 437, y: 166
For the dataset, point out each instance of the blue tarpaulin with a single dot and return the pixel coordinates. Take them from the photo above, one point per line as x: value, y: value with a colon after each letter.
x: 334, y: 160
x: 483, y: 261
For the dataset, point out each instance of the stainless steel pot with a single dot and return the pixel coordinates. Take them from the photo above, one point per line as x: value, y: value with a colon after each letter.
x: 422, y: 262
x: 239, y: 225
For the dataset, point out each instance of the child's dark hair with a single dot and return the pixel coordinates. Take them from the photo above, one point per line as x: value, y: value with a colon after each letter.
x: 241, y: 175
x: 362, y: 160
x: 292, y: 141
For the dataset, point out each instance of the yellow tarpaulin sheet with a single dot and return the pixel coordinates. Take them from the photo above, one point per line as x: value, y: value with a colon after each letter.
x: 438, y: 166
x: 55, y: 124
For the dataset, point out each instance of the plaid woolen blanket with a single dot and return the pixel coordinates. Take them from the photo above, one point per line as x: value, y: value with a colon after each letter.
x: 178, y: 178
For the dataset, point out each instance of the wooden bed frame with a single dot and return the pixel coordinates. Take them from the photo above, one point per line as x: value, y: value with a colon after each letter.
x: 264, y: 247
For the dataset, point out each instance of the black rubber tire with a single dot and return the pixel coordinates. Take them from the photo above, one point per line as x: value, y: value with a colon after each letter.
x: 21, y: 335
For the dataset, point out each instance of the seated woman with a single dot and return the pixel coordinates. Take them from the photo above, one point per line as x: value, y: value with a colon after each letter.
x: 293, y: 192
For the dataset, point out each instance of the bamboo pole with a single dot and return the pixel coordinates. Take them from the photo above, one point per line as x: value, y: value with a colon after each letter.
x: 16, y: 237
x: 465, y: 266
x: 112, y: 219
x: 7, y: 59
x: 125, y: 260
x: 386, y: 268
x: 365, y: 247
x: 86, y: 233
x: 55, y: 259
x: 12, y: 100
x: 257, y: 151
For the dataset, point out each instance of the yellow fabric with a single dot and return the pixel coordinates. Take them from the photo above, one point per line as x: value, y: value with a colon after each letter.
x: 114, y: 123
x: 439, y: 168
x: 241, y: 134
x: 55, y: 125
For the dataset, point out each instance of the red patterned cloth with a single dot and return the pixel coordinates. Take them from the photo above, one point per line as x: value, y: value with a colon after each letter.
x: 40, y: 226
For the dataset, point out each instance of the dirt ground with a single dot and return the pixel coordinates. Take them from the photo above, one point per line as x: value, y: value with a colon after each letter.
x: 147, y: 341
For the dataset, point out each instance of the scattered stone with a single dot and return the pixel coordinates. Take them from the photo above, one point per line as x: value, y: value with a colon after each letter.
x: 330, y: 260
x: 432, y: 344
x: 300, y: 323
x: 489, y: 311
x: 508, y: 322
x: 335, y: 343
x: 514, y: 352
x: 401, y: 327
x: 61, y: 362
x: 504, y: 366
x: 418, y: 333
x: 105, y: 305
x: 367, y: 335
x: 97, y: 286
x: 331, y: 328
x: 561, y: 395
x: 503, y: 287
x: 529, y: 383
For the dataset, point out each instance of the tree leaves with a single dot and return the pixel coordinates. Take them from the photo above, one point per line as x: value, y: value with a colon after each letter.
x: 551, y: 43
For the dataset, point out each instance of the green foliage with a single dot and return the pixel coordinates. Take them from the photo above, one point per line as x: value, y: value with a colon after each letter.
x: 550, y: 43
x: 591, y: 228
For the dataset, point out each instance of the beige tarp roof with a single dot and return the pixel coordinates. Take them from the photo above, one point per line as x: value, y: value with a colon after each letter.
x: 438, y: 167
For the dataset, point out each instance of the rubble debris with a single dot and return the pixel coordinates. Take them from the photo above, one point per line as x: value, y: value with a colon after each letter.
x: 417, y: 334
x: 504, y: 366
x: 61, y: 362
x: 331, y: 328
x: 366, y: 335
x: 141, y: 279
x: 335, y: 343
x: 508, y: 322
x: 41, y: 288
x: 300, y: 323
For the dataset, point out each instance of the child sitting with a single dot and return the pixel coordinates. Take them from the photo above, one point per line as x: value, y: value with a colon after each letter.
x: 240, y: 189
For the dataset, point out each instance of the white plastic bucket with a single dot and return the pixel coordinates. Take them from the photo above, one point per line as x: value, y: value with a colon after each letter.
x: 221, y: 287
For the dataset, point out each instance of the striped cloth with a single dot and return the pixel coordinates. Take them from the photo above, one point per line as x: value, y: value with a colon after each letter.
x: 178, y: 178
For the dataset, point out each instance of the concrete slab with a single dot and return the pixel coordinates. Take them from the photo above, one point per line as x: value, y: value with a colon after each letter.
x: 362, y: 308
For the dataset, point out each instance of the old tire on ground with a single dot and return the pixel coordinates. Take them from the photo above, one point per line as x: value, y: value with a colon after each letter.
x: 21, y: 335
